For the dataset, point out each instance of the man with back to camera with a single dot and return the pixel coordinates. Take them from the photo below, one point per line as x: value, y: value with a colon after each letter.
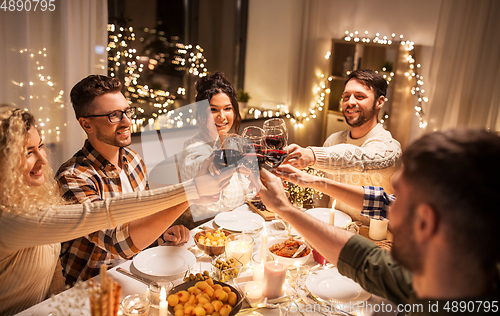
x: 446, y: 246
x: 365, y: 154
x: 103, y: 168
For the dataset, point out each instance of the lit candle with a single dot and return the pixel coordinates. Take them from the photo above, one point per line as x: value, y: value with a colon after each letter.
x: 378, y: 229
x: 163, y: 302
x: 253, y: 289
x: 332, y: 214
x: 274, y: 279
x: 263, y: 245
x: 258, y: 271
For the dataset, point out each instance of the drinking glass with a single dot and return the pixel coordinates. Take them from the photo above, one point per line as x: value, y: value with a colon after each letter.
x: 276, y: 123
x: 135, y: 305
x: 227, y: 152
x: 252, y: 150
x: 275, y: 144
x: 239, y: 246
x: 155, y: 290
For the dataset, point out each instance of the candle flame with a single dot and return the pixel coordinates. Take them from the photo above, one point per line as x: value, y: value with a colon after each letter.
x: 334, y: 202
x: 163, y: 294
x: 276, y: 262
x: 262, y: 262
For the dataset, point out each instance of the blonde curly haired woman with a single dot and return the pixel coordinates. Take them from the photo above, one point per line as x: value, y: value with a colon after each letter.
x: 33, y: 219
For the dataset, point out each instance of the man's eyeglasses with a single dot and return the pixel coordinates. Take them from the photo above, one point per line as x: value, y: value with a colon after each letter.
x: 117, y: 116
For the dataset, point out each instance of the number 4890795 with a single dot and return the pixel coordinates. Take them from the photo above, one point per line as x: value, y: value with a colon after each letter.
x: 28, y: 5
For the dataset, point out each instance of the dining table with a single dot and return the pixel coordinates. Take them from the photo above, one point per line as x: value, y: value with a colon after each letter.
x: 299, y: 281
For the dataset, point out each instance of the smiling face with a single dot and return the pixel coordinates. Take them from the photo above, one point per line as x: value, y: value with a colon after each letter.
x: 359, y: 105
x: 35, y: 159
x: 222, y: 113
x: 101, y: 131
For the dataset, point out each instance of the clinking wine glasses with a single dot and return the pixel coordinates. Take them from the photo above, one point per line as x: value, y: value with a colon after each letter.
x: 275, y: 142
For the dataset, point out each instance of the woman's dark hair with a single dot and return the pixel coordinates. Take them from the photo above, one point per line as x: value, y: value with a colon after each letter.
x: 207, y: 87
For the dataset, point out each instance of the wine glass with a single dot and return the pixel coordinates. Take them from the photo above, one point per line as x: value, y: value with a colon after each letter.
x: 276, y: 123
x: 252, y: 149
x: 227, y: 152
x: 275, y: 142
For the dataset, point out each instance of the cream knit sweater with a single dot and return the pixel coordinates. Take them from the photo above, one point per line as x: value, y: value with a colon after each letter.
x: 29, y: 243
x: 369, y: 160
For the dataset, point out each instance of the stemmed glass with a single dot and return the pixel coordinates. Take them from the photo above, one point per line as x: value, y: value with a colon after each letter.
x: 275, y: 142
x: 228, y: 152
x: 252, y: 150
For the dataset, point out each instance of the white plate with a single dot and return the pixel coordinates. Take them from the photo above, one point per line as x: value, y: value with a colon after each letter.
x: 164, y: 261
x: 323, y: 214
x: 239, y: 220
x: 330, y: 285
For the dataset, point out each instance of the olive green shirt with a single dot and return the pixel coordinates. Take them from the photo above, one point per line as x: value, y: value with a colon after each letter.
x: 378, y: 273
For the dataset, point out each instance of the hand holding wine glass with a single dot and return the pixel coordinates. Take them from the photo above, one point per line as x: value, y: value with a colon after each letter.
x: 275, y: 142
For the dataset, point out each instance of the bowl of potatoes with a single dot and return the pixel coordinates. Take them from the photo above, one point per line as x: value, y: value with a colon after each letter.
x: 201, y: 298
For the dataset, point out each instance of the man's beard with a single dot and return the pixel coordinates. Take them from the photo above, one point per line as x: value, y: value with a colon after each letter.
x: 112, y: 140
x: 405, y: 249
x: 363, y: 116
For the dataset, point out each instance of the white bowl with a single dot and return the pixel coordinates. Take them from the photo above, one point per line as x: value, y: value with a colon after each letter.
x: 288, y: 261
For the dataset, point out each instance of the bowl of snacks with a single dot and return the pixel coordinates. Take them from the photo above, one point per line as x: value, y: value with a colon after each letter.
x: 193, y: 276
x: 204, y: 298
x: 283, y: 249
x: 226, y: 268
x: 211, y: 241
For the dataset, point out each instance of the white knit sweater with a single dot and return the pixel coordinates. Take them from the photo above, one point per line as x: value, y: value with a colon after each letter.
x: 29, y: 243
x: 369, y: 160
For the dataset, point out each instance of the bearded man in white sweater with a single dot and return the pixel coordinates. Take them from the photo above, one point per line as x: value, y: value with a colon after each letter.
x: 365, y: 154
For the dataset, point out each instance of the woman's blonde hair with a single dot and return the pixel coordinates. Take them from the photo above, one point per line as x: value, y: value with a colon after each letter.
x: 17, y: 196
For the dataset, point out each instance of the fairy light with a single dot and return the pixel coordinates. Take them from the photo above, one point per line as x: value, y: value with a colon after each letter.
x: 122, y: 59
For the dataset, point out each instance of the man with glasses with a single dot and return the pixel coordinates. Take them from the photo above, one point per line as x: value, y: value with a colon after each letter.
x: 103, y: 168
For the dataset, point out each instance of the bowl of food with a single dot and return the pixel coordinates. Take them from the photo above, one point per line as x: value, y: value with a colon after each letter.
x: 185, y: 299
x: 211, y: 241
x: 283, y: 250
x: 226, y: 268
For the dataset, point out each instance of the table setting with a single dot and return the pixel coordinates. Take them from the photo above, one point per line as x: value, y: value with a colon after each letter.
x: 266, y: 283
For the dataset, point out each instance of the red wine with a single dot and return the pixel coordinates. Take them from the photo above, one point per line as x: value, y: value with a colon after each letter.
x: 226, y: 158
x: 274, y: 158
x: 253, y: 161
x: 275, y: 142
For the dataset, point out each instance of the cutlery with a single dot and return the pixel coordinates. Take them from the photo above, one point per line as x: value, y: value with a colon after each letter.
x: 301, y: 248
x: 138, y: 278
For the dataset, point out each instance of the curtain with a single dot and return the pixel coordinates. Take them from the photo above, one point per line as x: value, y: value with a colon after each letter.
x: 43, y: 54
x: 465, y: 67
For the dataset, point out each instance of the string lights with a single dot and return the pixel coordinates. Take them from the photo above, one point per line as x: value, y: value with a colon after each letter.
x: 150, y: 102
x: 411, y: 73
x: 43, y: 90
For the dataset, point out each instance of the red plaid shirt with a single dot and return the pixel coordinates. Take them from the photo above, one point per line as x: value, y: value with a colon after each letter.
x: 89, y: 177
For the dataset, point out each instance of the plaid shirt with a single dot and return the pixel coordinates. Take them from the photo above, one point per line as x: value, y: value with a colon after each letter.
x: 89, y: 177
x: 376, y: 202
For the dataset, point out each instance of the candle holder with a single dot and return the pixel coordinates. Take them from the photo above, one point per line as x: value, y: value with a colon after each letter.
x: 239, y: 246
x: 155, y: 289
x: 135, y: 305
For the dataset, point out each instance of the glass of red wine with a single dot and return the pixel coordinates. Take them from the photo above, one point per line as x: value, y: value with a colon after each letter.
x: 228, y: 152
x: 252, y: 148
x: 275, y: 142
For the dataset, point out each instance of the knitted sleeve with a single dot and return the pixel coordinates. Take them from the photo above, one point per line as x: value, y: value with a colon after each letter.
x: 378, y: 152
x: 60, y: 223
